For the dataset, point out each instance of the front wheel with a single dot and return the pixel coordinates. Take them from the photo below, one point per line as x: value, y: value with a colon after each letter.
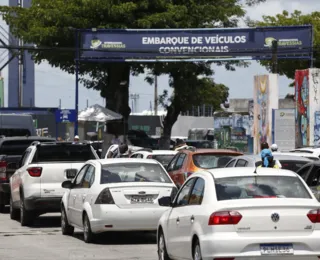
x: 66, y: 229
x: 162, y: 249
x: 196, y: 251
x: 88, y: 236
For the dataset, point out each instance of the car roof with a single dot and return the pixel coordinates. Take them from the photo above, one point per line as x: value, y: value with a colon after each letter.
x: 125, y: 160
x: 216, y: 151
x: 249, y: 171
x: 256, y: 157
x: 302, y: 154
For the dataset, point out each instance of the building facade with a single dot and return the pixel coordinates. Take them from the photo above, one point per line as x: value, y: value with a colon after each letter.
x: 28, y: 90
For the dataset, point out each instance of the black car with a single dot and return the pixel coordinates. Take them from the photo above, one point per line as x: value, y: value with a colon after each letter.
x: 311, y: 175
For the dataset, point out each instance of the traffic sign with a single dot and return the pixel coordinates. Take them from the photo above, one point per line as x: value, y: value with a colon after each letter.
x: 66, y: 115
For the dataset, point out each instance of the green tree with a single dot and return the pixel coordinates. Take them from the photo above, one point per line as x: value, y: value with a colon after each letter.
x: 288, y: 67
x: 50, y: 24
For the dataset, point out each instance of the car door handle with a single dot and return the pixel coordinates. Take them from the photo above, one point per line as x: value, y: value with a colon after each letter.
x: 178, y: 221
x: 192, y: 219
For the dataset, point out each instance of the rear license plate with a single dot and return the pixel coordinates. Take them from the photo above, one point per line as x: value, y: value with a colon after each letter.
x: 276, y: 249
x: 141, y: 199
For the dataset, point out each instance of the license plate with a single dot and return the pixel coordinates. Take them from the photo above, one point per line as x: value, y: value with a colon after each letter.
x: 141, y: 199
x: 276, y: 249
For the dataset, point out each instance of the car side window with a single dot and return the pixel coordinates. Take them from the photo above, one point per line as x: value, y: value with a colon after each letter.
x: 184, y: 194
x: 134, y: 156
x: 197, y: 192
x: 89, y: 175
x: 78, y: 180
x: 231, y: 163
x: 241, y: 163
x: 173, y: 162
x: 139, y: 155
x: 303, y: 172
x: 314, y: 177
x: 180, y: 161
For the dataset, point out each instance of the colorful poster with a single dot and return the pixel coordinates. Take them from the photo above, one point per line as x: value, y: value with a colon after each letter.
x: 302, y: 107
x: 314, y: 101
x: 317, y: 128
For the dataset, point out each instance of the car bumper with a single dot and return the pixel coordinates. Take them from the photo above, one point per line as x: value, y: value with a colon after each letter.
x: 224, y: 245
x: 43, y: 204
x: 112, y: 218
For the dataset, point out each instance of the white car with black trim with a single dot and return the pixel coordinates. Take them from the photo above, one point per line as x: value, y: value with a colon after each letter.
x: 242, y: 213
x: 115, y: 195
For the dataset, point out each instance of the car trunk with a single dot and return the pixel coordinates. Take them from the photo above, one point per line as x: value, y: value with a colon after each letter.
x: 272, y: 215
x: 144, y: 195
x: 52, y: 176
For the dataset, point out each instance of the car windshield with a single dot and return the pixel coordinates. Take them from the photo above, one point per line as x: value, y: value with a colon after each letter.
x: 289, y: 165
x: 133, y: 172
x: 250, y: 187
x: 164, y: 159
x: 211, y: 160
x: 64, y: 153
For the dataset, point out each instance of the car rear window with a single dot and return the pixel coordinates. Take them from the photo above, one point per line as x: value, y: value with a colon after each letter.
x: 251, y: 187
x: 163, y: 159
x: 211, y: 160
x: 133, y: 172
x: 17, y: 147
x: 289, y: 165
x: 63, y: 153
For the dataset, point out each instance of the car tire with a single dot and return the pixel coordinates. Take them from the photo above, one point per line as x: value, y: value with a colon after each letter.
x: 66, y: 229
x: 26, y: 216
x: 196, y: 250
x: 162, y: 249
x: 14, y: 213
x: 88, y: 236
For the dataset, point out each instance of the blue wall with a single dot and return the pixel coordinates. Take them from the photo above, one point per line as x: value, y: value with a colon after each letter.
x: 29, y: 74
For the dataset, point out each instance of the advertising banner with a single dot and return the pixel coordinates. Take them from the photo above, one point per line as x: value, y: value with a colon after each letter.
x: 283, y: 129
x: 317, y: 128
x: 307, y: 90
x: 266, y: 98
x: 215, y: 43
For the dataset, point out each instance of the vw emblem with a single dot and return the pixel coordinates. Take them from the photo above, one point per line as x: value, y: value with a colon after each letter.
x: 275, y: 217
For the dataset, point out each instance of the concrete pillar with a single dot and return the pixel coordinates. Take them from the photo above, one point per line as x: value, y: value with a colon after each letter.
x: 266, y: 98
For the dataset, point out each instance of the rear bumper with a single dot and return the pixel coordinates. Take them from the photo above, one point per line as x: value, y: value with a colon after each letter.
x: 43, y: 204
x: 306, y: 246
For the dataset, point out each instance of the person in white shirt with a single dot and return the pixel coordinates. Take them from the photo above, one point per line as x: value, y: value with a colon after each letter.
x: 274, y: 148
x: 115, y: 150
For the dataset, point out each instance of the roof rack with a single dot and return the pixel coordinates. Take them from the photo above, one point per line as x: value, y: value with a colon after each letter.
x: 35, y: 143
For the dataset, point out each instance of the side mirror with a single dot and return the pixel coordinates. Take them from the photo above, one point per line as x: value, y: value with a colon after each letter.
x: 67, y: 185
x: 165, y: 202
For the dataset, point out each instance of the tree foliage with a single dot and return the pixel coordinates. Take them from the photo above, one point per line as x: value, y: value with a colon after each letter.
x: 52, y: 23
x: 288, y: 67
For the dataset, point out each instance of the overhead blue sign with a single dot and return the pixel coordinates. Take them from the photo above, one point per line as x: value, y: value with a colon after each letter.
x: 66, y: 115
x: 148, y: 45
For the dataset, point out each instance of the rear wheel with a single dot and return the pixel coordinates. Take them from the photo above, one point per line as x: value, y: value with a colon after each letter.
x: 162, y: 249
x: 88, y: 236
x: 2, y: 202
x: 26, y: 216
x: 14, y: 213
x: 2, y: 208
x: 196, y: 251
x: 65, y: 227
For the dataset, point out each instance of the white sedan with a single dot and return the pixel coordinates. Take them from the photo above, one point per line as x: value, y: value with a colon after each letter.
x: 115, y: 195
x: 242, y: 213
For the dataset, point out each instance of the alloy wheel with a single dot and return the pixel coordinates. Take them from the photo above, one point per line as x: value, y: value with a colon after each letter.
x: 197, y: 253
x: 161, y: 248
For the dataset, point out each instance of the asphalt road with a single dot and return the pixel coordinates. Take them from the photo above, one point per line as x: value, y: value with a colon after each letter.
x: 44, y: 241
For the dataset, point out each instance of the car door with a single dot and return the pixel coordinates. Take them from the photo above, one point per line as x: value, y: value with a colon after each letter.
x: 189, y: 215
x: 82, y: 193
x: 175, y: 230
x: 72, y: 210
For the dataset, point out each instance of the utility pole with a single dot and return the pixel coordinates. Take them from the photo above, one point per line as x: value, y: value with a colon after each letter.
x: 155, y: 95
x: 21, y: 54
x: 275, y: 57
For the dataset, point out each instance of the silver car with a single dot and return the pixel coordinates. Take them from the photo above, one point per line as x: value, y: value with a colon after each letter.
x: 293, y: 163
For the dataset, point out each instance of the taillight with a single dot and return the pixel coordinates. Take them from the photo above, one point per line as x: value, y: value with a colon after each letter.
x: 173, y: 193
x: 3, y: 169
x: 187, y: 174
x: 225, y: 218
x: 149, y: 156
x: 105, y: 197
x: 314, y: 215
x: 35, y: 171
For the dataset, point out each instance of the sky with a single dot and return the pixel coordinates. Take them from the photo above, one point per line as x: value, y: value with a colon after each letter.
x: 53, y: 84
